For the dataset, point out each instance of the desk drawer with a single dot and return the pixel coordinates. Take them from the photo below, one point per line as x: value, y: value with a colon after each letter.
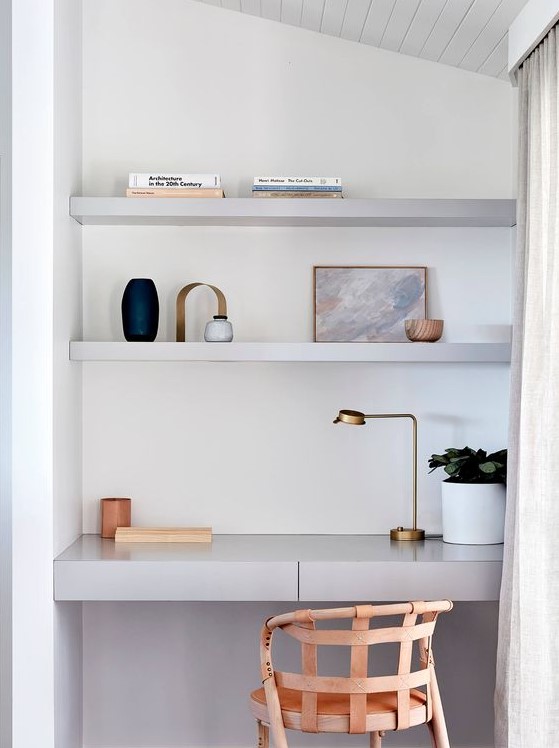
x: 168, y: 580
x: 347, y: 581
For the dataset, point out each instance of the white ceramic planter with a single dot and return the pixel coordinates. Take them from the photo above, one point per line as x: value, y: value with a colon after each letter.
x: 473, y: 514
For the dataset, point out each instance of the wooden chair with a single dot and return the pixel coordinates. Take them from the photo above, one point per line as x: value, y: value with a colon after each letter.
x: 309, y: 702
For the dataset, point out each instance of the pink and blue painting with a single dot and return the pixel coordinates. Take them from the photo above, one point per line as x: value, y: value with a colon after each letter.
x: 367, y: 304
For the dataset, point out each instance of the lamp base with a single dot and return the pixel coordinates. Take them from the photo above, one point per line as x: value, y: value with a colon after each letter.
x: 403, y: 533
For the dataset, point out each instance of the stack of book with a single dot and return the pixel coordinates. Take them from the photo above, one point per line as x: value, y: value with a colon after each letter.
x: 297, y: 187
x: 174, y: 185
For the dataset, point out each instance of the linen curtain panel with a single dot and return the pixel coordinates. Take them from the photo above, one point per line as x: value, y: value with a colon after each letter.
x: 526, y: 696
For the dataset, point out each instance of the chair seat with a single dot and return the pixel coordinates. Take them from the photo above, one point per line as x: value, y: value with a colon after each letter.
x: 333, y: 710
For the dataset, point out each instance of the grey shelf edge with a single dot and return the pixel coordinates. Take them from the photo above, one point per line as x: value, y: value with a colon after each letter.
x: 356, y: 212
x: 293, y: 352
x: 278, y: 567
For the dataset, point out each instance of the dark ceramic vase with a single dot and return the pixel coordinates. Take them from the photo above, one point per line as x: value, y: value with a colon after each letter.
x: 140, y: 310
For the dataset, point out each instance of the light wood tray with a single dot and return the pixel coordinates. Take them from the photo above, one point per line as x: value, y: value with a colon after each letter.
x: 163, y: 535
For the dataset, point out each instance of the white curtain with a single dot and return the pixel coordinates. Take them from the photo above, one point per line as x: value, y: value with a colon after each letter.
x: 527, y: 693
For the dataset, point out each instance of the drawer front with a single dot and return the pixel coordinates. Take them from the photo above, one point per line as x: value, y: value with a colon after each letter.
x: 360, y: 581
x: 231, y: 580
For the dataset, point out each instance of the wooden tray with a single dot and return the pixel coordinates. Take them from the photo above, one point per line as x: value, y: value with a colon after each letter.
x: 163, y: 535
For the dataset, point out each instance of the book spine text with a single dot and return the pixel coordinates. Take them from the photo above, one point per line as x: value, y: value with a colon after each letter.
x: 174, y: 181
x: 174, y: 192
x: 302, y: 181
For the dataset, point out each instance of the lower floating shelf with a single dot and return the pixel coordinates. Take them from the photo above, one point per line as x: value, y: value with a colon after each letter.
x: 291, y: 352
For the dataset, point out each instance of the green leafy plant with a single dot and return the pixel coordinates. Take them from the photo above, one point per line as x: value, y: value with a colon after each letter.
x: 470, y: 466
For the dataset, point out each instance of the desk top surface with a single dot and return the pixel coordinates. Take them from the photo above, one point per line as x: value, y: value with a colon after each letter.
x: 277, y: 548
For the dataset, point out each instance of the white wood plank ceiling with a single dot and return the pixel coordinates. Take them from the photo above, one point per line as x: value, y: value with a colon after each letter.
x: 469, y: 34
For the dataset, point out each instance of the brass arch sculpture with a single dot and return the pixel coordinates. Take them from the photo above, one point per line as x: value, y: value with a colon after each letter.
x: 181, y: 307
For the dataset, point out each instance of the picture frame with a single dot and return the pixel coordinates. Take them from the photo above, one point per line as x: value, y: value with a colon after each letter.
x: 367, y: 303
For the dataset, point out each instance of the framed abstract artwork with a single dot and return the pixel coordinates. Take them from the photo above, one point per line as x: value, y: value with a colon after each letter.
x: 367, y: 304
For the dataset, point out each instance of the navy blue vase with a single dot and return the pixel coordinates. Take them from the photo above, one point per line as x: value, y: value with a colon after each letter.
x: 140, y: 310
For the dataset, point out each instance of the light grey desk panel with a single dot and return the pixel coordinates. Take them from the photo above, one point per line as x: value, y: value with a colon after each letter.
x: 376, y: 568
x: 369, y: 581
x: 94, y: 568
x: 378, y: 548
x: 175, y: 580
x: 270, y: 567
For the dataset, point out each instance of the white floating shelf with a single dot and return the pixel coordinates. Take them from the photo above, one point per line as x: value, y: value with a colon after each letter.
x: 325, y: 352
x: 129, y: 211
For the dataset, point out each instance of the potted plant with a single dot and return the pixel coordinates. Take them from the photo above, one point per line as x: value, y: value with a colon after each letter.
x: 473, y: 495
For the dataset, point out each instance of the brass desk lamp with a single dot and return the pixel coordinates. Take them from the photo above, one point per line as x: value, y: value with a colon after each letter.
x: 355, y: 418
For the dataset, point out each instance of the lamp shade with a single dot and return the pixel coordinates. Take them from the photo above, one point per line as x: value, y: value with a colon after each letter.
x: 353, y: 417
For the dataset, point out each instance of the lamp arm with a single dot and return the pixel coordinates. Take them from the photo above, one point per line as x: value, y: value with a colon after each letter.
x: 414, y: 454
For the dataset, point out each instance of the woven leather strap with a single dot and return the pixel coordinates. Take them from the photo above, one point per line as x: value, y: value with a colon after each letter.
x: 309, y: 699
x: 359, y: 669
x: 427, y: 661
x: 336, y: 637
x: 404, y: 667
x: 338, y: 684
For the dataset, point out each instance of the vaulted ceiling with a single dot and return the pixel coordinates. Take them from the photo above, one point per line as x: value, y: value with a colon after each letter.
x: 468, y: 34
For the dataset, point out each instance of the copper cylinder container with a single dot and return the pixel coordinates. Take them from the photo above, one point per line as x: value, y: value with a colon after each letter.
x: 114, y: 513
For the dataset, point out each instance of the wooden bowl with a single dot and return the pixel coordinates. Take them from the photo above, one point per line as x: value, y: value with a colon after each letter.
x: 424, y: 330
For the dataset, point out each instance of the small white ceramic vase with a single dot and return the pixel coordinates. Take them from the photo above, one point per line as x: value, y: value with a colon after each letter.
x: 473, y: 513
x: 218, y: 330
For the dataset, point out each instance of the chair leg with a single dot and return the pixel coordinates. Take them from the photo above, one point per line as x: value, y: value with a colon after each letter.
x: 437, y: 730
x: 263, y: 735
x: 437, y: 725
x: 275, y: 719
x: 429, y: 726
x: 376, y: 739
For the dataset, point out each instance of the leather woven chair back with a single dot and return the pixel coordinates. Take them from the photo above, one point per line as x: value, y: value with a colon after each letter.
x: 415, y: 631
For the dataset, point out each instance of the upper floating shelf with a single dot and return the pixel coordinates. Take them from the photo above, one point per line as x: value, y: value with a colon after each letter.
x: 325, y: 352
x: 243, y: 211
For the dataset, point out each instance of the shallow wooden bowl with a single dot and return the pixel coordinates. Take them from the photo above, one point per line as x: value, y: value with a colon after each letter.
x: 424, y: 330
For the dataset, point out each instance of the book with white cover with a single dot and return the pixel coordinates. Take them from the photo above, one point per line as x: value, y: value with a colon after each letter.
x: 172, y: 180
x: 301, y: 181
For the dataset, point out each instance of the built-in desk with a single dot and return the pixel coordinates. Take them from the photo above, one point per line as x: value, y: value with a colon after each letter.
x: 278, y: 567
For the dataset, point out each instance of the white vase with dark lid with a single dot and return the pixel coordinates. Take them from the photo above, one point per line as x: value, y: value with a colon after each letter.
x: 218, y: 330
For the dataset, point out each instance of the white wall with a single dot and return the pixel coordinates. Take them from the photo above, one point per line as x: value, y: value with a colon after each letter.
x: 176, y: 84
x: 68, y: 683
x: 395, y: 126
x: 42, y: 53
x: 5, y: 378
x: 205, y: 443
x: 32, y: 373
x: 67, y: 324
x: 67, y: 272
x: 251, y: 448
